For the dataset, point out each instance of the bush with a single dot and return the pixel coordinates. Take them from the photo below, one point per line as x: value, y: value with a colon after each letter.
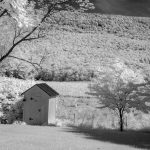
x: 72, y: 74
x: 45, y: 75
x: 10, y: 99
x: 12, y: 111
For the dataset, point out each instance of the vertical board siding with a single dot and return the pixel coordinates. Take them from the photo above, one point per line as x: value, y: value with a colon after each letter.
x: 37, y: 108
x: 52, y: 111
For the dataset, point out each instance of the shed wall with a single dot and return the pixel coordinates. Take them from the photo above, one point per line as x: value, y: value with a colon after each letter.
x: 36, y: 106
x: 52, y: 110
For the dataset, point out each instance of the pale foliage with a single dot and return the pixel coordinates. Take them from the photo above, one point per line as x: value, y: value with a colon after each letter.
x: 25, y: 14
x: 121, y: 89
x: 127, y: 74
x: 11, y: 99
x: 118, y: 84
x: 20, y: 10
x: 119, y: 69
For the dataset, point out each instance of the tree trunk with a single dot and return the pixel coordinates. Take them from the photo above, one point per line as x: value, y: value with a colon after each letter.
x: 121, y: 124
x: 121, y: 120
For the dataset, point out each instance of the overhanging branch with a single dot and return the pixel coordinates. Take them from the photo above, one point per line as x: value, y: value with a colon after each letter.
x: 25, y: 37
x: 3, y: 13
x: 32, y: 63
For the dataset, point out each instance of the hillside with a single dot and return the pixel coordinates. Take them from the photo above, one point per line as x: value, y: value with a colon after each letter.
x: 122, y: 26
x: 77, y: 44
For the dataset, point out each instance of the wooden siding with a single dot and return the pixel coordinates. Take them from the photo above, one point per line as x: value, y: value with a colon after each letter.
x: 36, y: 106
x: 52, y: 111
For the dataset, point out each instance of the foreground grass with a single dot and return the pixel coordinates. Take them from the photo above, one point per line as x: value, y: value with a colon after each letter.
x: 17, y: 137
x: 136, y: 138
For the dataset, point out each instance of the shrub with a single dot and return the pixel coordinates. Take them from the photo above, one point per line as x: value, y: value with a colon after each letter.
x: 64, y: 74
x: 12, y: 111
x: 45, y: 75
x: 10, y: 99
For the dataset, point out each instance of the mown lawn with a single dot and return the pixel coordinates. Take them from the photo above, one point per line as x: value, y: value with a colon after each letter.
x: 17, y: 137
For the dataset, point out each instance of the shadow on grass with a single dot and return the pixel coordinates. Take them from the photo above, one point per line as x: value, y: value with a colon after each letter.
x: 138, y: 139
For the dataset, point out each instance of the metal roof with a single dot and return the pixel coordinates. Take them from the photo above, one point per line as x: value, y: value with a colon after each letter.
x: 47, y: 89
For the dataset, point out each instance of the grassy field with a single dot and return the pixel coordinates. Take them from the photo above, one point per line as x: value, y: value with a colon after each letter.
x: 17, y: 137
x: 74, y: 105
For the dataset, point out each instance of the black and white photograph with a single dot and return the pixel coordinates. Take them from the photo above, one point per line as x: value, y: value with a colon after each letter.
x: 74, y: 74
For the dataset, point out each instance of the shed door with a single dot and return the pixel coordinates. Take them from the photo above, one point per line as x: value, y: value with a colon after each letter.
x: 35, y: 114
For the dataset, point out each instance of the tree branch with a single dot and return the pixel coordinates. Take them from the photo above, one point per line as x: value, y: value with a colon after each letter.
x: 33, y: 38
x: 4, y: 12
x: 25, y: 37
x: 33, y: 64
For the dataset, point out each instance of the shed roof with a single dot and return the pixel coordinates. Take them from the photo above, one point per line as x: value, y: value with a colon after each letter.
x: 47, y: 89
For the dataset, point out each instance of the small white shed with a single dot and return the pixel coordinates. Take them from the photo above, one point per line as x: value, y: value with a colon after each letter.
x: 39, y: 105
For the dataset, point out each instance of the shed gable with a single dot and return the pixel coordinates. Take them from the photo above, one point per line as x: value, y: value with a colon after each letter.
x: 45, y: 88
